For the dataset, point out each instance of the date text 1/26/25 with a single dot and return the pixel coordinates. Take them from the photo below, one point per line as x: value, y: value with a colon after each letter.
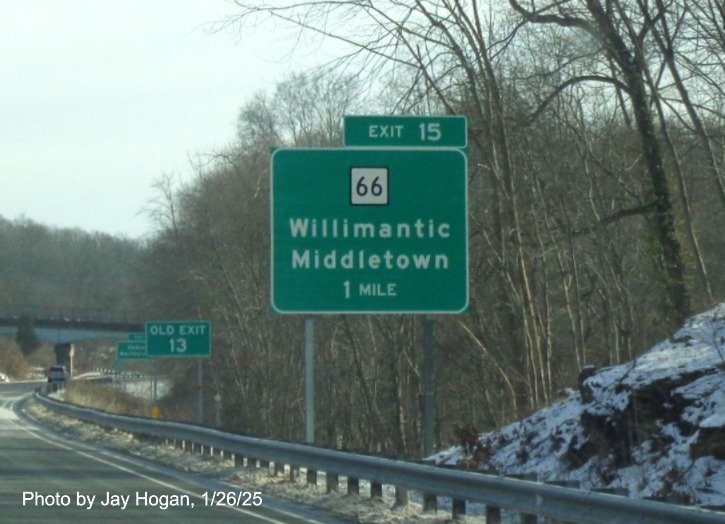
x: 232, y: 498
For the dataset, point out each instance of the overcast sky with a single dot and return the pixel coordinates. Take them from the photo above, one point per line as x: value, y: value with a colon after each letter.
x: 99, y: 98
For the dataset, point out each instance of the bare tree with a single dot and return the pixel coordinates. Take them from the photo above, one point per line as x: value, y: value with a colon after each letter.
x: 622, y: 42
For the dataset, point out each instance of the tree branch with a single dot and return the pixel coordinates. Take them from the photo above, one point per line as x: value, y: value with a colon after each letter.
x: 563, y: 21
x: 614, y: 217
x: 572, y: 81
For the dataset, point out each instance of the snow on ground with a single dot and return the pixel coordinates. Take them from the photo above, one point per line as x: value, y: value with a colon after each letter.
x: 143, y: 387
x: 654, y: 426
x: 358, y: 507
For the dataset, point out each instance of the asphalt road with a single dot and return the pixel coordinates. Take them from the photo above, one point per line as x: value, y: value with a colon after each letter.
x: 45, y: 478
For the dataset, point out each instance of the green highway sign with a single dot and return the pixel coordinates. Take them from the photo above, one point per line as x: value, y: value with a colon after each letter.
x: 405, y: 131
x: 130, y: 350
x: 137, y: 337
x: 369, y: 231
x: 178, y: 338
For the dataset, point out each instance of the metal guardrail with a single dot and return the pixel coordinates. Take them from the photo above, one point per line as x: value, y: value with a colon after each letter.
x: 526, y: 497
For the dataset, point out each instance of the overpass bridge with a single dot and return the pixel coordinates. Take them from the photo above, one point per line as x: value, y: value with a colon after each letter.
x: 63, y: 327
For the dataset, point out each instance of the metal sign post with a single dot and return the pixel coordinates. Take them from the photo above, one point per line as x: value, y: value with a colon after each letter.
x: 309, y: 380
x: 154, y: 384
x: 200, y: 390
x: 218, y: 404
x: 429, y: 414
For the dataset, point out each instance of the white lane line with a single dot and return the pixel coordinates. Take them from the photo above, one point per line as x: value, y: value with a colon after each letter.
x: 151, y: 479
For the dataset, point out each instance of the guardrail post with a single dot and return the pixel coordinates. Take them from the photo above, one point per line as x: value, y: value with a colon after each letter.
x: 353, y: 485
x: 278, y: 468
x: 493, y: 515
x: 376, y: 490
x: 458, y: 509
x: 430, y: 503
x: 311, y: 477
x: 402, y: 498
x: 574, y: 484
x: 526, y: 518
x: 332, y: 482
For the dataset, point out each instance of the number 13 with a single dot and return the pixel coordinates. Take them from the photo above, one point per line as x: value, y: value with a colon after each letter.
x: 178, y: 345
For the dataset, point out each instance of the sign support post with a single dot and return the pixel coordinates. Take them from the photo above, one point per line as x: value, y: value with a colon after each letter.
x: 429, y: 414
x: 200, y: 390
x: 154, y: 382
x: 309, y: 380
x: 218, y: 405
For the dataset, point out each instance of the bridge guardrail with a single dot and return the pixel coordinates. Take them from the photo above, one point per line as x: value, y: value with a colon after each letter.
x: 71, y: 314
x: 526, y: 497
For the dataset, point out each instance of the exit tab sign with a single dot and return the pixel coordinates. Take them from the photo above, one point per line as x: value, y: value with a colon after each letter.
x: 406, y: 131
x: 178, y: 339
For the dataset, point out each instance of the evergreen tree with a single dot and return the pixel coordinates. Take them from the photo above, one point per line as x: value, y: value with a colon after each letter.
x: 26, y: 337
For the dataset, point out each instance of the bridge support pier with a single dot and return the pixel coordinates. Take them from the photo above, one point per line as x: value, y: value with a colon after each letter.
x: 64, y: 356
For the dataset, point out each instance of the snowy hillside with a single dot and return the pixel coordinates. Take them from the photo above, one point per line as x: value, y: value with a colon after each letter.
x: 655, y: 426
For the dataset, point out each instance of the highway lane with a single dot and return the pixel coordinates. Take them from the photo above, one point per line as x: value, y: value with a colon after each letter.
x: 46, y: 478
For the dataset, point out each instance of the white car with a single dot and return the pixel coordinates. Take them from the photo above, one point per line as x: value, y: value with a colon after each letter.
x: 4, y: 377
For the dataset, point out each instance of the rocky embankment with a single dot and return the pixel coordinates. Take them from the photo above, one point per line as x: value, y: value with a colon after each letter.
x: 654, y: 426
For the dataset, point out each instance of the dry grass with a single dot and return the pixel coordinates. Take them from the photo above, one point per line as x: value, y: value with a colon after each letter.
x: 12, y: 361
x: 99, y: 396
